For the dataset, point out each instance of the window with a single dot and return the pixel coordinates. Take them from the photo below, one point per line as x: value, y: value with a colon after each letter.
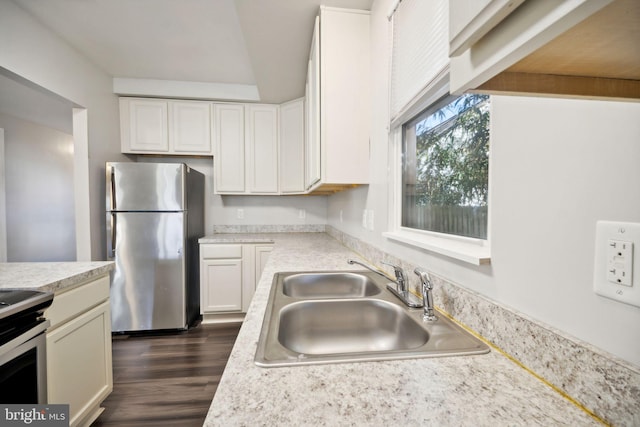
x: 439, y: 144
x: 445, y: 167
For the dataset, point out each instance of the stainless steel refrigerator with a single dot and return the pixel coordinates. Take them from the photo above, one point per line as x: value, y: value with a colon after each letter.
x: 155, y: 216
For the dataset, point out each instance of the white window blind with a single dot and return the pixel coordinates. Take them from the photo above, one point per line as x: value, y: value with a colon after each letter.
x: 420, y: 53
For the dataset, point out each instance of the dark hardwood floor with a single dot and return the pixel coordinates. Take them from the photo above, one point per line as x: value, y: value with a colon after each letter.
x: 167, y: 380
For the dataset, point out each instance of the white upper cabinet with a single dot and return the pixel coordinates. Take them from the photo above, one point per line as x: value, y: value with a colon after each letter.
x: 246, y: 149
x: 262, y: 148
x: 341, y: 51
x: 292, y: 147
x: 143, y: 126
x: 159, y: 126
x: 190, y: 127
x: 312, y: 113
x: 570, y: 48
x: 229, y: 157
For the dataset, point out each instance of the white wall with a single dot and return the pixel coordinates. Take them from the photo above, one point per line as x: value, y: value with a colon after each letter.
x: 39, y: 192
x: 270, y: 210
x: 257, y: 210
x: 31, y: 51
x: 557, y: 166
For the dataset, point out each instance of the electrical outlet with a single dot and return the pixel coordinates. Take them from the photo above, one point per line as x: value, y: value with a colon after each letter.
x: 364, y: 218
x: 340, y: 215
x: 240, y: 213
x: 370, y: 220
x: 614, y: 261
x: 302, y: 214
x: 620, y: 262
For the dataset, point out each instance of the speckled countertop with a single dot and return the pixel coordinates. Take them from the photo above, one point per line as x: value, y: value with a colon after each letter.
x: 50, y: 276
x: 453, y: 391
x: 241, y: 238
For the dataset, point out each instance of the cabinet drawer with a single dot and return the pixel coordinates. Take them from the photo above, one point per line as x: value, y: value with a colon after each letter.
x: 70, y: 304
x: 220, y: 251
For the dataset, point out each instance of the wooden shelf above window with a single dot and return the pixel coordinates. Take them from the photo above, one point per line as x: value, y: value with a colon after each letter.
x: 599, y: 57
x: 577, y: 48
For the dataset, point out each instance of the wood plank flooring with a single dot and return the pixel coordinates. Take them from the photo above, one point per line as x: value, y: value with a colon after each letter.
x: 167, y: 380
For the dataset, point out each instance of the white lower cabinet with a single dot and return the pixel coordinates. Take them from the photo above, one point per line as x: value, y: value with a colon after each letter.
x: 221, y: 278
x: 262, y: 255
x: 79, y: 365
x: 228, y: 277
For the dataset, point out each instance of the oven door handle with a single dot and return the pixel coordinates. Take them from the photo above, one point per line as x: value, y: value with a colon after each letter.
x: 9, y: 346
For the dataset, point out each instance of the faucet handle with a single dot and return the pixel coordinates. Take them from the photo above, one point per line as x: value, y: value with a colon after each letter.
x: 397, y: 270
x: 401, y: 277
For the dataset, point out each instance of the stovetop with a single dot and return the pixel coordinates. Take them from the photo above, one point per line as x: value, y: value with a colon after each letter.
x: 20, y: 302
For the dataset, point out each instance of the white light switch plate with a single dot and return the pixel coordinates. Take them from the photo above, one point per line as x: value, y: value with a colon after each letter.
x: 616, y: 258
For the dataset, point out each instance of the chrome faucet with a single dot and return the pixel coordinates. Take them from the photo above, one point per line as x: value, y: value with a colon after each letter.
x: 427, y: 296
x: 401, y: 277
x: 375, y: 270
x: 397, y: 287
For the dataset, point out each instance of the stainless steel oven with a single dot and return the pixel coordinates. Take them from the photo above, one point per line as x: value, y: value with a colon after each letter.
x: 23, y: 364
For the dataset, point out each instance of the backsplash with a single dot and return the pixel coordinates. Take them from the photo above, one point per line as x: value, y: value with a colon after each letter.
x: 301, y: 228
x: 602, y: 383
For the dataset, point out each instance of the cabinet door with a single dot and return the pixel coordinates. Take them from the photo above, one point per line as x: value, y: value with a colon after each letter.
x: 79, y: 364
x: 292, y: 147
x: 262, y: 145
x: 229, y: 154
x: 190, y: 130
x: 262, y: 255
x: 222, y: 285
x: 144, y: 125
x: 344, y: 90
x: 312, y: 142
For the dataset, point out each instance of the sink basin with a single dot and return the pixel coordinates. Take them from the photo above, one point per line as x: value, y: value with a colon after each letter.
x: 329, y: 285
x: 337, y: 317
x: 348, y: 326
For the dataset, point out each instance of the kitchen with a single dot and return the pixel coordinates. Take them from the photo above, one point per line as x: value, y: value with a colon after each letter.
x: 542, y: 254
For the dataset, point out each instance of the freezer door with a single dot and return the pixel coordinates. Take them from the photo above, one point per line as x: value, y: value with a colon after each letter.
x: 149, y: 281
x: 145, y: 186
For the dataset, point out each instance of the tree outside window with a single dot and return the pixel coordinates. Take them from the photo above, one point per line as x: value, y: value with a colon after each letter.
x: 446, y: 167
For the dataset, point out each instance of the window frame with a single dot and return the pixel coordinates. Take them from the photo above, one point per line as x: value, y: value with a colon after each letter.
x: 468, y: 249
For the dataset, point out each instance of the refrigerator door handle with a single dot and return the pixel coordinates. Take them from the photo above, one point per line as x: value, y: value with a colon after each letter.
x: 113, y: 236
x: 112, y: 184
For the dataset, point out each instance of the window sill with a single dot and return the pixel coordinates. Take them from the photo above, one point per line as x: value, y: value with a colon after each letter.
x: 460, y: 250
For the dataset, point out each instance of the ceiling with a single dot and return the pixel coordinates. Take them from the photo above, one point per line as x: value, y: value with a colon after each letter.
x: 251, y: 42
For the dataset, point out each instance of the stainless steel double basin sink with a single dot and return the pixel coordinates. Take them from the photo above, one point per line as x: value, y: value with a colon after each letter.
x: 350, y: 316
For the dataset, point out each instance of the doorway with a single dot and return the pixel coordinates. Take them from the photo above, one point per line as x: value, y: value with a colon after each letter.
x: 44, y: 190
